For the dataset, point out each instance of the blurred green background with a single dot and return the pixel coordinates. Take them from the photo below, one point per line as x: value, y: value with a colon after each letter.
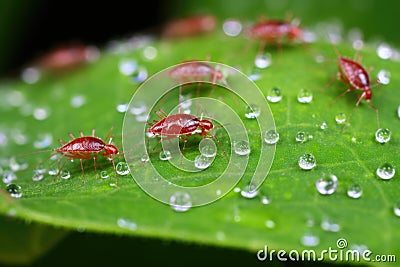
x: 28, y: 28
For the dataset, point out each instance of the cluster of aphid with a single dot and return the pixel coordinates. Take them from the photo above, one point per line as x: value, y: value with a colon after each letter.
x: 266, y: 31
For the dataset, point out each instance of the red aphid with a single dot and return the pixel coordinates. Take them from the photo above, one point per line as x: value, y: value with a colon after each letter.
x: 192, y: 70
x: 189, y: 26
x: 353, y: 74
x: 86, y: 147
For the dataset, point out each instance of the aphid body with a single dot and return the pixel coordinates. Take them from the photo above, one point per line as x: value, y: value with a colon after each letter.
x: 192, y: 70
x: 189, y: 26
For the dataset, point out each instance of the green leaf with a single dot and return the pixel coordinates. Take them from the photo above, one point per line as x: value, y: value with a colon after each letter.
x: 118, y: 205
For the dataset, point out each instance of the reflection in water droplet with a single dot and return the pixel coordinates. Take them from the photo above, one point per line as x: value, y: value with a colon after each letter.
x: 232, y: 27
x: 271, y: 137
x: 14, y: 190
x: 309, y: 240
x: 208, y: 148
x: 165, y: 155
x: 274, y: 95
x: 145, y: 158
x: 384, y: 77
x: 122, y: 168
x: 65, y: 174
x: 202, y: 162
x: 301, y: 137
x: 180, y: 201
x: 383, y: 135
x: 327, y: 184
x: 304, y: 96
x: 307, y: 161
x: 386, y: 171
x: 249, y: 191
x: 252, y: 111
x: 354, y: 190
x: 262, y: 61
x: 340, y: 118
x: 241, y: 148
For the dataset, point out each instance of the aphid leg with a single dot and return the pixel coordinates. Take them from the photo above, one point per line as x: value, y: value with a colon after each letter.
x: 62, y: 141
x: 376, y: 113
x: 337, y: 76
x: 81, y: 133
x: 340, y: 96
x: 93, y: 130
x: 94, y: 162
x: 83, y: 172
x: 71, y: 135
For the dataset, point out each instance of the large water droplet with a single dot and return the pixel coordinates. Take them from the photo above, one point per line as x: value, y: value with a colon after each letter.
x: 301, y: 137
x: 271, y: 137
x: 327, y: 184
x: 165, y: 155
x: 383, y: 135
x: 208, y: 148
x: 384, y: 77
x: 180, y: 201
x: 354, y: 190
x: 262, y: 61
x: 252, y: 111
x: 241, y: 148
x: 249, y: 191
x: 274, y: 95
x: 307, y: 161
x: 202, y: 162
x: 122, y: 168
x: 309, y: 240
x: 384, y: 51
x: 232, y: 27
x: 340, y: 118
x: 304, y: 96
x: 386, y: 171
x: 396, y: 209
x: 14, y: 190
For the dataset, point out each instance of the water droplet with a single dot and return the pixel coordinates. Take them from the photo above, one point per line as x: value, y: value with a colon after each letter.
x: 145, y: 158
x: 41, y: 113
x: 252, y: 111
x: 384, y: 77
x: 232, y: 27
x: 270, y: 224
x: 37, y: 176
x: 265, y: 200
x: 323, y: 126
x: 262, y: 61
x: 340, y: 118
x: 384, y: 51
x: 208, y: 148
x: 398, y: 112
x: 53, y: 171
x: 17, y: 165
x: 180, y: 201
x: 304, y: 96
x: 65, y: 174
x: 220, y: 236
x: 122, y: 168
x: 301, y: 137
x: 104, y: 174
x: 271, y: 137
x: 19, y: 137
x: 242, y: 147
x: 249, y: 191
x: 354, y: 190
x: 236, y: 190
x: 30, y: 75
x: 77, y: 101
x: 44, y: 140
x: 274, y: 95
x: 14, y: 190
x: 202, y: 162
x: 396, y: 209
x: 140, y: 75
x: 309, y: 240
x: 165, y: 155
x: 150, y: 52
x: 8, y: 176
x: 127, y: 67
x: 383, y: 135
x: 307, y: 161
x: 386, y: 171
x: 138, y: 108
x: 329, y: 226
x: 3, y: 139
x: 122, y: 108
x: 124, y: 223
x: 327, y: 184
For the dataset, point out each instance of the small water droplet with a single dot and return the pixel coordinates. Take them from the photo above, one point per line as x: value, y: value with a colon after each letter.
x: 301, y: 137
x: 236, y: 190
x: 309, y: 240
x: 9, y: 176
x: 17, y: 165
x: 3, y: 139
x: 323, y: 126
x: 396, y: 209
x: 241, y: 148
x: 43, y: 140
x: 274, y: 95
x: 19, y: 137
x: 202, y: 162
x: 340, y: 118
x: 328, y: 225
x: 122, y: 108
x: 265, y: 200
x: 304, y: 96
x: 104, y: 174
x: 354, y: 190
x: 180, y: 201
x: 77, y: 101
x: 398, y: 112
x: 127, y: 67
x: 252, y: 111
x: 307, y: 161
x: 384, y: 51
x: 140, y: 75
x: 249, y: 191
x: 122, y: 168
x: 386, y: 171
x: 53, y: 171
x: 270, y: 224
x: 138, y: 108
x: 165, y: 155
x: 384, y: 77
x: 208, y: 148
x: 14, y: 190
x: 383, y: 135
x: 30, y: 75
x: 37, y: 176
x: 124, y: 223
x: 271, y: 137
x: 262, y: 61
x: 232, y: 27
x: 41, y: 113
x: 65, y: 174
x: 145, y: 158
x: 150, y: 53
x: 327, y: 184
